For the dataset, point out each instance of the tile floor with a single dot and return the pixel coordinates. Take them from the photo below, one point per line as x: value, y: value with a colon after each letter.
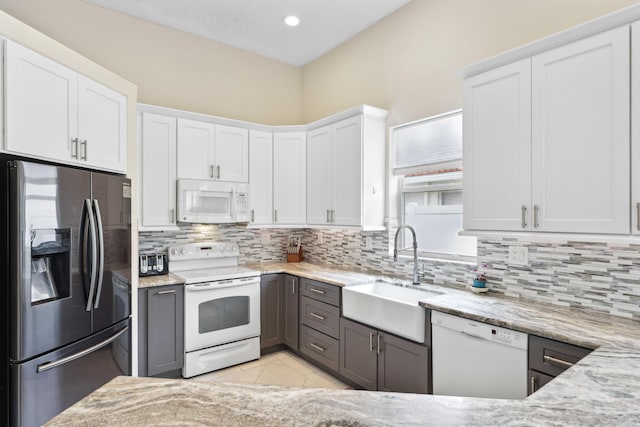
x: 280, y: 368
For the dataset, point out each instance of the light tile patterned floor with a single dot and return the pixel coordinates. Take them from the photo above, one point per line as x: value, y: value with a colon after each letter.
x: 280, y: 368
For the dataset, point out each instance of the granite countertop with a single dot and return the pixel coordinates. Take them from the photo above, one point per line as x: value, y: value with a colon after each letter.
x: 160, y: 280
x: 601, y: 389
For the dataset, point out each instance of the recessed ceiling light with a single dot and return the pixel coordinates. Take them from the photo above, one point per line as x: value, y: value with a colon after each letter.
x: 292, y: 21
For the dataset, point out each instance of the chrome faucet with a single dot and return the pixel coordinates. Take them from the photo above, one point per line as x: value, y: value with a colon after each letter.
x: 415, y: 251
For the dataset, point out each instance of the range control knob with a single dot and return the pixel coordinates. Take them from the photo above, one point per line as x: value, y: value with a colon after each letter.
x: 183, y: 251
x: 173, y: 252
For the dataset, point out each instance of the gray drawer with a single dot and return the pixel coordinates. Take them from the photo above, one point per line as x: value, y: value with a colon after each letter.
x: 320, y: 316
x: 320, y: 347
x: 320, y: 291
x: 553, y: 357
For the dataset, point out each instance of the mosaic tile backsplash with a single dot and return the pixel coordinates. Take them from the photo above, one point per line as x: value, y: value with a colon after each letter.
x: 599, y: 276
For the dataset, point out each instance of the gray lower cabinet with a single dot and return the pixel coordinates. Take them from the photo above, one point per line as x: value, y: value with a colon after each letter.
x: 291, y: 302
x: 319, y: 322
x: 549, y: 358
x: 272, y: 313
x: 161, y: 330
x: 377, y: 360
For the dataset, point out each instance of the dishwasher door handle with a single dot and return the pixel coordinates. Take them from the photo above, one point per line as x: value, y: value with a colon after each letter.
x: 473, y: 336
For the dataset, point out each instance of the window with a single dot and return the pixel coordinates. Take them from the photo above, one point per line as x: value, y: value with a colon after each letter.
x: 428, y: 163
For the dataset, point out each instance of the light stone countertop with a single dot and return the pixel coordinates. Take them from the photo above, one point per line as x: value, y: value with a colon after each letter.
x: 160, y: 280
x: 601, y: 389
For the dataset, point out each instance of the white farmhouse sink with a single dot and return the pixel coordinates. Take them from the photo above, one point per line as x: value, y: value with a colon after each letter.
x: 389, y: 307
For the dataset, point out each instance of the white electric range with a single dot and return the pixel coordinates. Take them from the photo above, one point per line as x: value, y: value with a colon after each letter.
x: 221, y: 306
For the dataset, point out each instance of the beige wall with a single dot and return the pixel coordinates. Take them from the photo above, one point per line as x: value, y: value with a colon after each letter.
x: 407, y: 63
x: 171, y: 68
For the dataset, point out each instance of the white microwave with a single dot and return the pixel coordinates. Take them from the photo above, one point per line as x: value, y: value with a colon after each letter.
x: 212, y: 202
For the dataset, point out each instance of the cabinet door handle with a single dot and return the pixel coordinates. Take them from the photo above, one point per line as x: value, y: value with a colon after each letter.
x: 317, y: 291
x: 293, y: 286
x: 218, y: 171
x: 173, y: 291
x: 333, y: 216
x: 638, y: 216
x: 533, y: 384
x: 275, y: 215
x: 211, y: 171
x: 84, y: 144
x: 74, y: 147
x: 379, y: 348
x: 557, y: 361
x: 317, y: 347
x: 328, y: 215
x: 253, y: 215
x: 317, y: 316
x: 173, y: 215
x: 524, y: 216
x: 535, y: 216
x: 370, y: 341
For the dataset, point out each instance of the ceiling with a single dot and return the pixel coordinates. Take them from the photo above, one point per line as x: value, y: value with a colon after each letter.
x: 257, y: 25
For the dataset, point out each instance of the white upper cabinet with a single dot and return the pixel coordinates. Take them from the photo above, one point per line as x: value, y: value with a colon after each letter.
x: 261, y: 177
x: 497, y: 148
x: 635, y: 128
x: 157, y: 150
x: 580, y: 130
x: 78, y: 120
x: 546, y: 140
x: 196, y: 141
x: 319, y: 156
x: 102, y: 130
x: 231, y: 154
x: 347, y: 169
x: 289, y: 178
x: 346, y: 172
x: 210, y: 151
x: 41, y: 104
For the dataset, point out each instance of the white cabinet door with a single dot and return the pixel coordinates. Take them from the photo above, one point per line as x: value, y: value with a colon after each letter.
x: 102, y: 126
x: 497, y: 148
x: 635, y: 128
x: 261, y: 177
x: 319, y: 155
x: 346, y: 172
x: 195, y: 149
x: 289, y: 178
x: 158, y: 171
x: 231, y: 154
x: 580, y: 131
x: 40, y: 105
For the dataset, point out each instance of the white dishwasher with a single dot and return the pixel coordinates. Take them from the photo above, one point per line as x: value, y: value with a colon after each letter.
x: 476, y: 359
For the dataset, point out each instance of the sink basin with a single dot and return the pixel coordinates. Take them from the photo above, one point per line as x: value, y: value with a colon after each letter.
x: 389, y: 307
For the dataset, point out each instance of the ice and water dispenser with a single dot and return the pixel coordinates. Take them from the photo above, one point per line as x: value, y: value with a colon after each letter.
x: 50, y: 264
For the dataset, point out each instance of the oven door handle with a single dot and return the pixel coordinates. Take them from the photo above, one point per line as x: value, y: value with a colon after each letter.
x: 219, y: 285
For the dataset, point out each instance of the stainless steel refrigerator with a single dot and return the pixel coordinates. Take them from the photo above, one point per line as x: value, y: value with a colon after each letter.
x: 65, y: 286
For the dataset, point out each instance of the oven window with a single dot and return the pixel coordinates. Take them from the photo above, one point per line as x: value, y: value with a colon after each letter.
x: 223, y: 313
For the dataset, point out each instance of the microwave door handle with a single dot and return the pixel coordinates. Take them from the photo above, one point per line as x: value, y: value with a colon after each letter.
x: 94, y: 255
x: 100, y: 259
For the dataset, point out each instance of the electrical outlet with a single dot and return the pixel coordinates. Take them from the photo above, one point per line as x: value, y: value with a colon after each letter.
x: 320, y: 238
x: 265, y: 238
x: 518, y: 255
x: 368, y: 243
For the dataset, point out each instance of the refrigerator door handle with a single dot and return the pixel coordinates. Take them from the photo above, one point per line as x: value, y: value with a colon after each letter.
x: 94, y: 255
x: 50, y: 365
x: 100, y: 252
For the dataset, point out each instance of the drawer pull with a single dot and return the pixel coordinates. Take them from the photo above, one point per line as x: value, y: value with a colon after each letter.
x: 317, y: 291
x: 317, y: 316
x: 167, y: 292
x: 316, y: 347
x: 533, y: 385
x: 379, y: 349
x: 560, y: 362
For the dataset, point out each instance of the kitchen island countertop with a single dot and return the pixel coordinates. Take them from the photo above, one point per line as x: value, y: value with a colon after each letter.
x: 601, y: 389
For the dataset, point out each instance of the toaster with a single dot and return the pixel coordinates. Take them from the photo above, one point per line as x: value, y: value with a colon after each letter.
x: 152, y: 265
